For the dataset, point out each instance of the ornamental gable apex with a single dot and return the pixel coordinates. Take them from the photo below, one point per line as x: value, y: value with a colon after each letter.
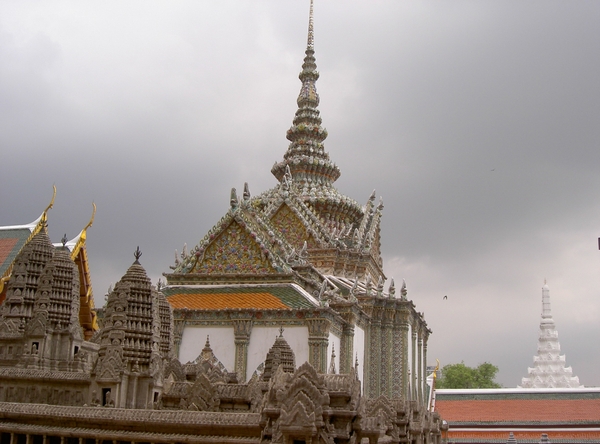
x: 295, y: 228
x: 235, y: 246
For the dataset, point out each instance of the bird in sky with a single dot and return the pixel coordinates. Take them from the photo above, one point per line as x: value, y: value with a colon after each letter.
x: 446, y: 297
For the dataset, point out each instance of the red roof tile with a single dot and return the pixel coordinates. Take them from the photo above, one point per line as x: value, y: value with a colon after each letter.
x: 519, y: 410
x: 522, y: 435
x: 6, y: 247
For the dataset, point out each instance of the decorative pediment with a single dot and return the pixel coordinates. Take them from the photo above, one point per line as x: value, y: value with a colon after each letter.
x: 235, y: 250
x: 174, y: 369
x: 9, y: 327
x: 204, y: 395
x: 109, y: 368
x: 37, y: 326
x: 293, y: 228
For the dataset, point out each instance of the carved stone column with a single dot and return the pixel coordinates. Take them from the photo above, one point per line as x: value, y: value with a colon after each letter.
x: 178, y: 326
x: 424, y: 337
x: 318, y: 340
x: 241, y: 330
x: 347, y: 343
x: 374, y: 370
x: 385, y: 379
x: 404, y: 327
x: 413, y: 367
x: 397, y: 355
x: 420, y: 380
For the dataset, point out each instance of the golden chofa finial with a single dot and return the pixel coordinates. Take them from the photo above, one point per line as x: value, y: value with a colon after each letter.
x: 92, y: 218
x: 44, y: 218
x: 81, y: 238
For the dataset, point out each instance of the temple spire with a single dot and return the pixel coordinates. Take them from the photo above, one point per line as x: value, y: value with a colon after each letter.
x: 549, y: 370
x: 310, y: 44
x: 306, y: 158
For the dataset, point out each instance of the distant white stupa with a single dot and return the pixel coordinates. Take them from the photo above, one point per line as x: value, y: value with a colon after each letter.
x: 549, y: 369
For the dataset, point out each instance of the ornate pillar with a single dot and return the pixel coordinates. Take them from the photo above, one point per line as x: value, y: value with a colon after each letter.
x: 374, y: 346
x: 178, y: 326
x: 399, y: 360
x: 420, y: 380
x: 424, y: 337
x: 241, y: 330
x: 318, y: 340
x: 404, y: 328
x: 413, y: 369
x: 385, y: 379
x: 347, y: 344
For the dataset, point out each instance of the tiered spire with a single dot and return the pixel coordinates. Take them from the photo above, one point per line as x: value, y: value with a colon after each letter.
x: 549, y: 369
x: 308, y: 163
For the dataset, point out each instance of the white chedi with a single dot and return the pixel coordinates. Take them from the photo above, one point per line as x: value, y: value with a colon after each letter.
x: 549, y: 369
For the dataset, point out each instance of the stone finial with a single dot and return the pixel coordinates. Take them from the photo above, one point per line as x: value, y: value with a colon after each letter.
x: 233, y: 199
x: 303, y: 251
x: 403, y: 290
x: 511, y: 439
x: 137, y: 254
x: 392, y: 289
x: 380, y: 286
x: 246, y: 195
x: 331, y: 370
x: 64, y: 239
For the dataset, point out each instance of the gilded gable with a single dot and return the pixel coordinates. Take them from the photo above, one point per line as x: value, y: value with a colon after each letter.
x: 234, y: 251
x: 291, y: 228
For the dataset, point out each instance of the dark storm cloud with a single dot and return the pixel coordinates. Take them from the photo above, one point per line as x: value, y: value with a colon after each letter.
x: 476, y: 122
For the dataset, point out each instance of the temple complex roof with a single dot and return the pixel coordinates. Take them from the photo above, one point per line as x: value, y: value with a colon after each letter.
x: 280, y: 354
x: 304, y: 221
x: 13, y: 239
x: 549, y: 368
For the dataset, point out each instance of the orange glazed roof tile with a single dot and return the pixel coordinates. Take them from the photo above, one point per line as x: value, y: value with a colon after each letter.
x: 217, y: 298
x: 231, y: 300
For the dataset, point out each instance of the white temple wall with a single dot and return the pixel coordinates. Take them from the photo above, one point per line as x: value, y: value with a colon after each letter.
x: 359, y: 351
x: 334, y: 341
x: 221, y: 342
x: 263, y: 338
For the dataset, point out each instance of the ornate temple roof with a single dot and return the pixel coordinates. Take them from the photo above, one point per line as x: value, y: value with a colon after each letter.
x: 132, y: 322
x: 549, y: 370
x: 78, y: 250
x: 298, y: 232
x: 13, y: 238
x: 306, y: 166
x: 280, y: 354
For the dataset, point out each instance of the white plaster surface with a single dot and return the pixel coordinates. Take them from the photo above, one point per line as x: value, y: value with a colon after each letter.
x: 334, y: 341
x: 359, y: 350
x: 263, y: 338
x: 221, y: 341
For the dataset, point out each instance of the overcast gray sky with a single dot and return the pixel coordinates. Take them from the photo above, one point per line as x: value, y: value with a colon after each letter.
x: 478, y: 123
